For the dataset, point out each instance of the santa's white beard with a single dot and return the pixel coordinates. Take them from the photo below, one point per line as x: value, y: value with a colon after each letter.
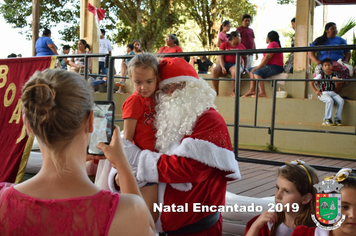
x: 176, y: 114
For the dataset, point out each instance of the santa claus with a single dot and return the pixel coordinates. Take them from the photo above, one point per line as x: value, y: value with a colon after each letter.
x: 194, y: 159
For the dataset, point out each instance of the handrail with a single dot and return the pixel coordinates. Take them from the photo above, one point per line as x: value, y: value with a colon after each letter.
x: 238, y: 79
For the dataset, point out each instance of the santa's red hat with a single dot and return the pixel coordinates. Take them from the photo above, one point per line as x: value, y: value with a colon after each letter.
x: 174, y: 70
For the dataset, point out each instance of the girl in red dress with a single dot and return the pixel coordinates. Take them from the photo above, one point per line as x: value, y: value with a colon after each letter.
x: 138, y: 113
x: 295, y: 192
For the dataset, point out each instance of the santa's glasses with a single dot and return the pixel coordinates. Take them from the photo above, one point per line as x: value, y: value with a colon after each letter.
x: 172, y: 87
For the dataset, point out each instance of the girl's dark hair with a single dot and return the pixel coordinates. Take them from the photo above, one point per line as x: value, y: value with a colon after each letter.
x: 274, y: 37
x: 300, y: 178
x: 322, y: 39
x: 136, y: 40
x: 46, y: 32
x: 234, y: 34
x: 83, y: 42
x: 174, y: 38
x: 225, y: 23
x: 130, y: 46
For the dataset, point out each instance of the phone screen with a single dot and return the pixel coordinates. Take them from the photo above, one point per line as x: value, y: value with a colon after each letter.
x: 104, y: 117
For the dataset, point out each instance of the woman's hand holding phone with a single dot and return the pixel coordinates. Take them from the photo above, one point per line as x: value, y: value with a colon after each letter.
x: 114, y: 151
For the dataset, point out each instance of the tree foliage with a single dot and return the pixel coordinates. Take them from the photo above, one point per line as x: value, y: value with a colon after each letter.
x: 285, y: 1
x: 209, y: 14
x: 142, y: 19
x: 147, y: 20
x: 18, y: 13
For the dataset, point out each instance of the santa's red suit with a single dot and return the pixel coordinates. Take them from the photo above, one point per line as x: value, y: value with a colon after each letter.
x: 196, y: 172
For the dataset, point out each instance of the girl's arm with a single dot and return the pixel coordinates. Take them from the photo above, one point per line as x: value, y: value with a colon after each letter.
x: 219, y: 42
x: 129, y: 128
x: 261, y: 221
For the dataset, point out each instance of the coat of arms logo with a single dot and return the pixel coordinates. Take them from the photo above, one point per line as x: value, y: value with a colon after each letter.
x: 328, y: 205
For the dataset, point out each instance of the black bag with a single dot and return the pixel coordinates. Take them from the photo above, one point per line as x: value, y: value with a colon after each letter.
x: 288, y: 67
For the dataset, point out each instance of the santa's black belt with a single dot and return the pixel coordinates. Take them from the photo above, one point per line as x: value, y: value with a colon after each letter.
x: 201, y: 225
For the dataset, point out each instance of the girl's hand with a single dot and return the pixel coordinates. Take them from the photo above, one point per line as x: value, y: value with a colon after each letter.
x: 253, y: 70
x: 223, y: 70
x: 265, y: 217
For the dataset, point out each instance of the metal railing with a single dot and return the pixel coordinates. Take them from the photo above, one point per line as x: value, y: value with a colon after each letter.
x: 110, y: 60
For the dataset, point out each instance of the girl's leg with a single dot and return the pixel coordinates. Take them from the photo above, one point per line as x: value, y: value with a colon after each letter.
x: 232, y: 73
x: 150, y: 195
x: 252, y: 89
x: 215, y: 74
x: 261, y: 86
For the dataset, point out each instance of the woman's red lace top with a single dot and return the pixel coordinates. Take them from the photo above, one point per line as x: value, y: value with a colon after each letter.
x: 21, y: 214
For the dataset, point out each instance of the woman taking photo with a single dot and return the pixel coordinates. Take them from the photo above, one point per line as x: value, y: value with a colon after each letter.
x: 61, y: 199
x: 227, y: 62
x: 271, y: 64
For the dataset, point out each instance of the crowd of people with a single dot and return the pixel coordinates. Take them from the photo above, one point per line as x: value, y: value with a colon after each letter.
x: 169, y: 156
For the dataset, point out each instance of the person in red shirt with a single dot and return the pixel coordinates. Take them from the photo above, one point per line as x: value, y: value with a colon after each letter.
x: 247, y: 37
x: 227, y: 62
x: 138, y: 112
x: 271, y: 64
x: 172, y: 45
x: 195, y: 158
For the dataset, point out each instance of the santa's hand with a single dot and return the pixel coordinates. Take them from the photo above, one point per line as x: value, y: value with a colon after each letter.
x: 132, y: 152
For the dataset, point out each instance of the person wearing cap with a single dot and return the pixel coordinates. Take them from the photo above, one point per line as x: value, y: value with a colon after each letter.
x: 194, y: 159
x: 247, y: 38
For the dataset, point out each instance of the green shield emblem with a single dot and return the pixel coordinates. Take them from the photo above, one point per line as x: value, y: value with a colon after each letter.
x: 328, y: 207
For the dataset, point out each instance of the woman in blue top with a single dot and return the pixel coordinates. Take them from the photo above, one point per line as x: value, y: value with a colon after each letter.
x: 45, y: 46
x: 329, y: 38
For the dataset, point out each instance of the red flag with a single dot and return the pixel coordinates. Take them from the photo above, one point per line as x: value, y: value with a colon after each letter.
x: 99, y: 11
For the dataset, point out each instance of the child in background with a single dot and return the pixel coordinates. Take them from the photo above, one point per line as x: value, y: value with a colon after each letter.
x: 138, y: 113
x: 294, y: 185
x: 224, y: 28
x: 326, y: 92
x: 348, y: 208
x: 124, y: 63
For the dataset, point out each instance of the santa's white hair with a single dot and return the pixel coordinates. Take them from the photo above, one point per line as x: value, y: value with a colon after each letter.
x: 176, y: 114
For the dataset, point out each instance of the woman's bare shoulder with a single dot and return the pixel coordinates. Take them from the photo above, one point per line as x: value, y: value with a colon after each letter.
x: 131, y: 207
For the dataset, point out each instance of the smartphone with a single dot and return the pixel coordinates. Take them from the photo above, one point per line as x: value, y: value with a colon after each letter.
x: 104, y: 117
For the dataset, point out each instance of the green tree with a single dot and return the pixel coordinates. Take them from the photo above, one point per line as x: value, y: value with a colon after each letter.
x: 17, y: 13
x: 134, y: 19
x: 147, y: 20
x: 142, y: 19
x: 209, y: 14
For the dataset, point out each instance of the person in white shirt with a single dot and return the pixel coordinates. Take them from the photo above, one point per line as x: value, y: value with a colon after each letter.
x: 104, y: 47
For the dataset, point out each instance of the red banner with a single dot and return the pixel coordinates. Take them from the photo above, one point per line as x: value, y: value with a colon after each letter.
x: 14, y: 73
